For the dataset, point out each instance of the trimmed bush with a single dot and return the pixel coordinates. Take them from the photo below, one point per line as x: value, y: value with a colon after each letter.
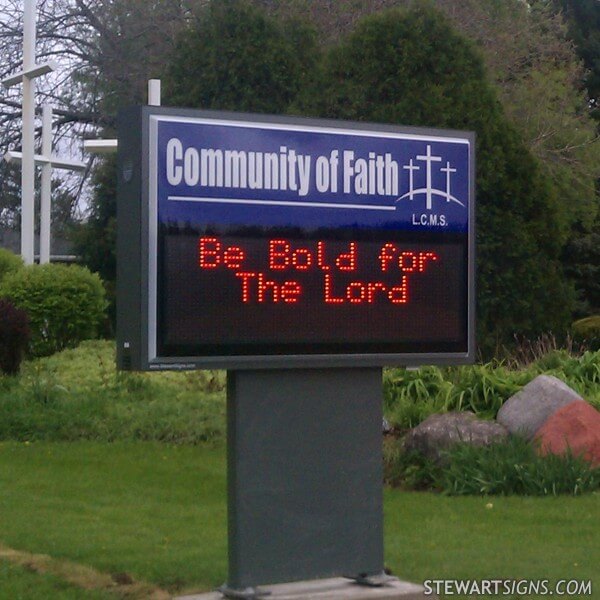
x: 9, y: 263
x: 65, y: 304
x: 14, y: 336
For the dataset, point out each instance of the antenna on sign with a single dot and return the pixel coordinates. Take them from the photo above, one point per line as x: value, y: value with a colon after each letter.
x: 109, y: 146
x: 154, y: 92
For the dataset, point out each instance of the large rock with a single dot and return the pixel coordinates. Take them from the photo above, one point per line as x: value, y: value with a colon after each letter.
x: 574, y: 428
x: 526, y: 411
x: 439, y: 432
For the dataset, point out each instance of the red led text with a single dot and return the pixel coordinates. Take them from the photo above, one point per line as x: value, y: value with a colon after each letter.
x: 282, y: 257
x: 341, y: 284
x: 212, y: 255
x: 359, y: 292
x: 405, y: 260
x: 256, y: 286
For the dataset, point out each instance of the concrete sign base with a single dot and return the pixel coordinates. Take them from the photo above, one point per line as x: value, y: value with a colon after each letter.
x: 337, y: 588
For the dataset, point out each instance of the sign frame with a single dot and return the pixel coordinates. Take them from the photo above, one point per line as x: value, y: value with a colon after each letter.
x: 137, y: 255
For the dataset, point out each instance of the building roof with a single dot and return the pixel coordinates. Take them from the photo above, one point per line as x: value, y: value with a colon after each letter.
x: 61, y: 249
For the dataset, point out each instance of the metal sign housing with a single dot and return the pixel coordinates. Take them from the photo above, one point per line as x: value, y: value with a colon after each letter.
x: 253, y: 241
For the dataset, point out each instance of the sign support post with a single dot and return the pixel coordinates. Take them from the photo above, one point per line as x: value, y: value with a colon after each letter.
x: 304, y: 476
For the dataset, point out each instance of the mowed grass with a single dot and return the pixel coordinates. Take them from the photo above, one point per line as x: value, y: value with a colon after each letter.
x: 153, y: 511
x: 18, y: 583
x: 430, y: 536
x: 158, y: 513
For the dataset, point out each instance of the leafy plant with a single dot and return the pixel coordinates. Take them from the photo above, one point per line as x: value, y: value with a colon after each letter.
x: 65, y: 304
x: 41, y: 387
x: 410, y: 396
x: 77, y: 394
x: 511, y: 467
x: 514, y: 467
x: 14, y: 336
x: 588, y: 330
x: 409, y: 470
x: 9, y: 263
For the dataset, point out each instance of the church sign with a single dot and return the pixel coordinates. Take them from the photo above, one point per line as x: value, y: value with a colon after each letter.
x: 271, y: 242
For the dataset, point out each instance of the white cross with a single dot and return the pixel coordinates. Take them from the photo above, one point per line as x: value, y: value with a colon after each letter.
x: 410, y: 168
x: 428, y: 158
x: 448, y: 170
x: 48, y: 162
x: 27, y: 76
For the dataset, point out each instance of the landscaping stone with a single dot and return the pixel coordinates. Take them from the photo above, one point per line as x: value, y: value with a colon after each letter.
x: 526, y: 411
x: 575, y: 427
x: 440, y: 432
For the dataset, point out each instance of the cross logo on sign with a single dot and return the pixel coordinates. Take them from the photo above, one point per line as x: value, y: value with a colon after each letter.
x: 429, y: 191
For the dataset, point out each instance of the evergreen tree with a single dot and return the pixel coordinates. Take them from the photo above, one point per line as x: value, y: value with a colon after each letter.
x: 583, y: 17
x: 581, y: 258
x: 237, y: 58
x: 410, y: 67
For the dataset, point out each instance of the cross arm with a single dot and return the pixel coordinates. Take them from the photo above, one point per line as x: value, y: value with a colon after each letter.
x: 57, y: 163
x: 35, y: 71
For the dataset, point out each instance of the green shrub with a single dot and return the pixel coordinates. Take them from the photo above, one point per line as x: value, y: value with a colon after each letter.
x: 78, y: 394
x: 9, y: 263
x: 408, y: 470
x: 14, y: 336
x: 508, y: 468
x: 410, y: 396
x: 588, y: 332
x: 514, y: 468
x: 65, y: 304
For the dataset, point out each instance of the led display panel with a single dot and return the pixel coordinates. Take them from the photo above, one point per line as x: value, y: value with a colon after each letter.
x: 269, y: 242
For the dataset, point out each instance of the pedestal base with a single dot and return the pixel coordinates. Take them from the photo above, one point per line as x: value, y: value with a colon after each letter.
x: 337, y: 588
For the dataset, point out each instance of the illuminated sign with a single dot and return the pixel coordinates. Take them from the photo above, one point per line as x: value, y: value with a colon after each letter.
x: 261, y: 241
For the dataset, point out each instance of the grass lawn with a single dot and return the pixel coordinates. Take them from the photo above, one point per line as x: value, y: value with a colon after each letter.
x: 17, y: 583
x: 429, y: 536
x: 158, y: 513
x: 153, y: 511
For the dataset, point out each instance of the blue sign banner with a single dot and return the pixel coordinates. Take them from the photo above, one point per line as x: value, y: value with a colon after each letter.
x: 290, y: 175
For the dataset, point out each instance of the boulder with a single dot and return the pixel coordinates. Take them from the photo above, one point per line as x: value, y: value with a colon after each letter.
x: 439, y: 432
x: 575, y: 427
x: 526, y: 411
